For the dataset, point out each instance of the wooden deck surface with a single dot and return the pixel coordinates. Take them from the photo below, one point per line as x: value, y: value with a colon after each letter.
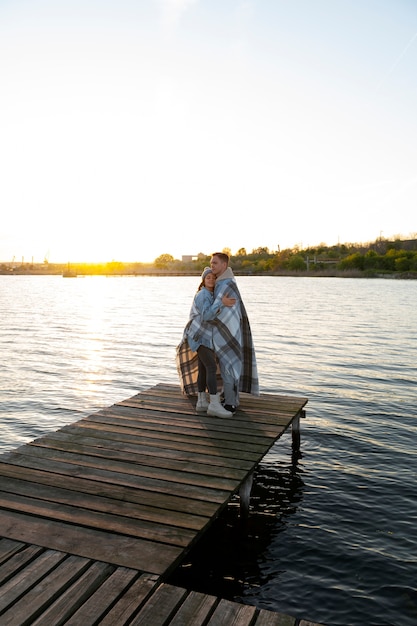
x: 119, y: 498
x: 42, y: 587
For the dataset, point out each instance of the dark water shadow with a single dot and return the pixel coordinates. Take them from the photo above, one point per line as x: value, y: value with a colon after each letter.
x: 225, y: 561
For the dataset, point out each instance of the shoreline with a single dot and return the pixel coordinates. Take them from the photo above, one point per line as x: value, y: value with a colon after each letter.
x: 58, y: 270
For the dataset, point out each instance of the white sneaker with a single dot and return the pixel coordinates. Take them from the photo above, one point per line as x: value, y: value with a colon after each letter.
x: 216, y: 409
x: 202, y: 402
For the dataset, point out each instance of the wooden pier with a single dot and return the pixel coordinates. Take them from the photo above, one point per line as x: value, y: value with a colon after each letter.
x: 96, y: 516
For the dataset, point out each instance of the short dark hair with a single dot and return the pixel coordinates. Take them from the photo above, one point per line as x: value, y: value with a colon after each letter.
x: 222, y: 256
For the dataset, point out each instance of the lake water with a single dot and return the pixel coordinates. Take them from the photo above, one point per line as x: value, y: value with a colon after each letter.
x: 332, y: 535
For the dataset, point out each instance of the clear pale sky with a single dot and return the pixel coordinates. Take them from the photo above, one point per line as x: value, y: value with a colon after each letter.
x: 129, y: 129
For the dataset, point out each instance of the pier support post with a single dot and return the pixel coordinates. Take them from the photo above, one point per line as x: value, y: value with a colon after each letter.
x: 296, y: 433
x: 244, y: 494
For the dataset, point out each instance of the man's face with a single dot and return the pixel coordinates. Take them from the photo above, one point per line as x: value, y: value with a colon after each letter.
x: 217, y: 266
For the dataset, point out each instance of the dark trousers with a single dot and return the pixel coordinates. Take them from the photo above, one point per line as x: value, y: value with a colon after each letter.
x: 207, y: 368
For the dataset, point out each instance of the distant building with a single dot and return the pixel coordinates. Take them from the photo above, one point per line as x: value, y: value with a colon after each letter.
x: 188, y: 258
x: 408, y: 244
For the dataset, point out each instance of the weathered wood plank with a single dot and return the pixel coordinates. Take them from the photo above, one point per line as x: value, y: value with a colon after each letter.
x: 160, y: 606
x: 205, y: 448
x: 163, y: 533
x: 103, y: 504
x: 8, y: 548
x: 202, y: 441
x: 101, y: 600
x: 192, y: 492
x: 248, y: 417
x: 73, y: 445
x: 32, y: 604
x: 17, y: 561
x: 262, y: 420
x: 106, y: 442
x: 26, y: 472
x: 269, y: 618
x: 172, y: 393
x: 196, y: 609
x: 153, y: 557
x: 23, y: 580
x: 131, y: 601
x: 74, y: 596
x: 232, y: 614
x: 135, y: 469
x: 196, y: 425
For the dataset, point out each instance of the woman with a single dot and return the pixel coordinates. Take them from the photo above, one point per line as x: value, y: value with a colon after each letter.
x: 198, y: 338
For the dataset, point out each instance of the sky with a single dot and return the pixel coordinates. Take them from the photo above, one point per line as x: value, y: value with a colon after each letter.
x: 131, y: 129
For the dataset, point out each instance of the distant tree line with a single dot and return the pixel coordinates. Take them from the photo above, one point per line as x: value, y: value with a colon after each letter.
x: 379, y: 258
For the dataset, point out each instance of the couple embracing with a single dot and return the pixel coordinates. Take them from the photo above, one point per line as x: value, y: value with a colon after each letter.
x: 217, y: 337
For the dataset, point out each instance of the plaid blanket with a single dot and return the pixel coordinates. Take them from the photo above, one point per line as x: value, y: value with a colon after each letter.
x: 187, y: 366
x: 232, y: 339
x: 233, y: 345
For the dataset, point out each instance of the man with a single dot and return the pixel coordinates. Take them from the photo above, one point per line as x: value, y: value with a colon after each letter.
x: 232, y: 337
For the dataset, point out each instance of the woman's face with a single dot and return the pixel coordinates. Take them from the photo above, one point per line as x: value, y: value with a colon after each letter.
x: 210, y: 281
